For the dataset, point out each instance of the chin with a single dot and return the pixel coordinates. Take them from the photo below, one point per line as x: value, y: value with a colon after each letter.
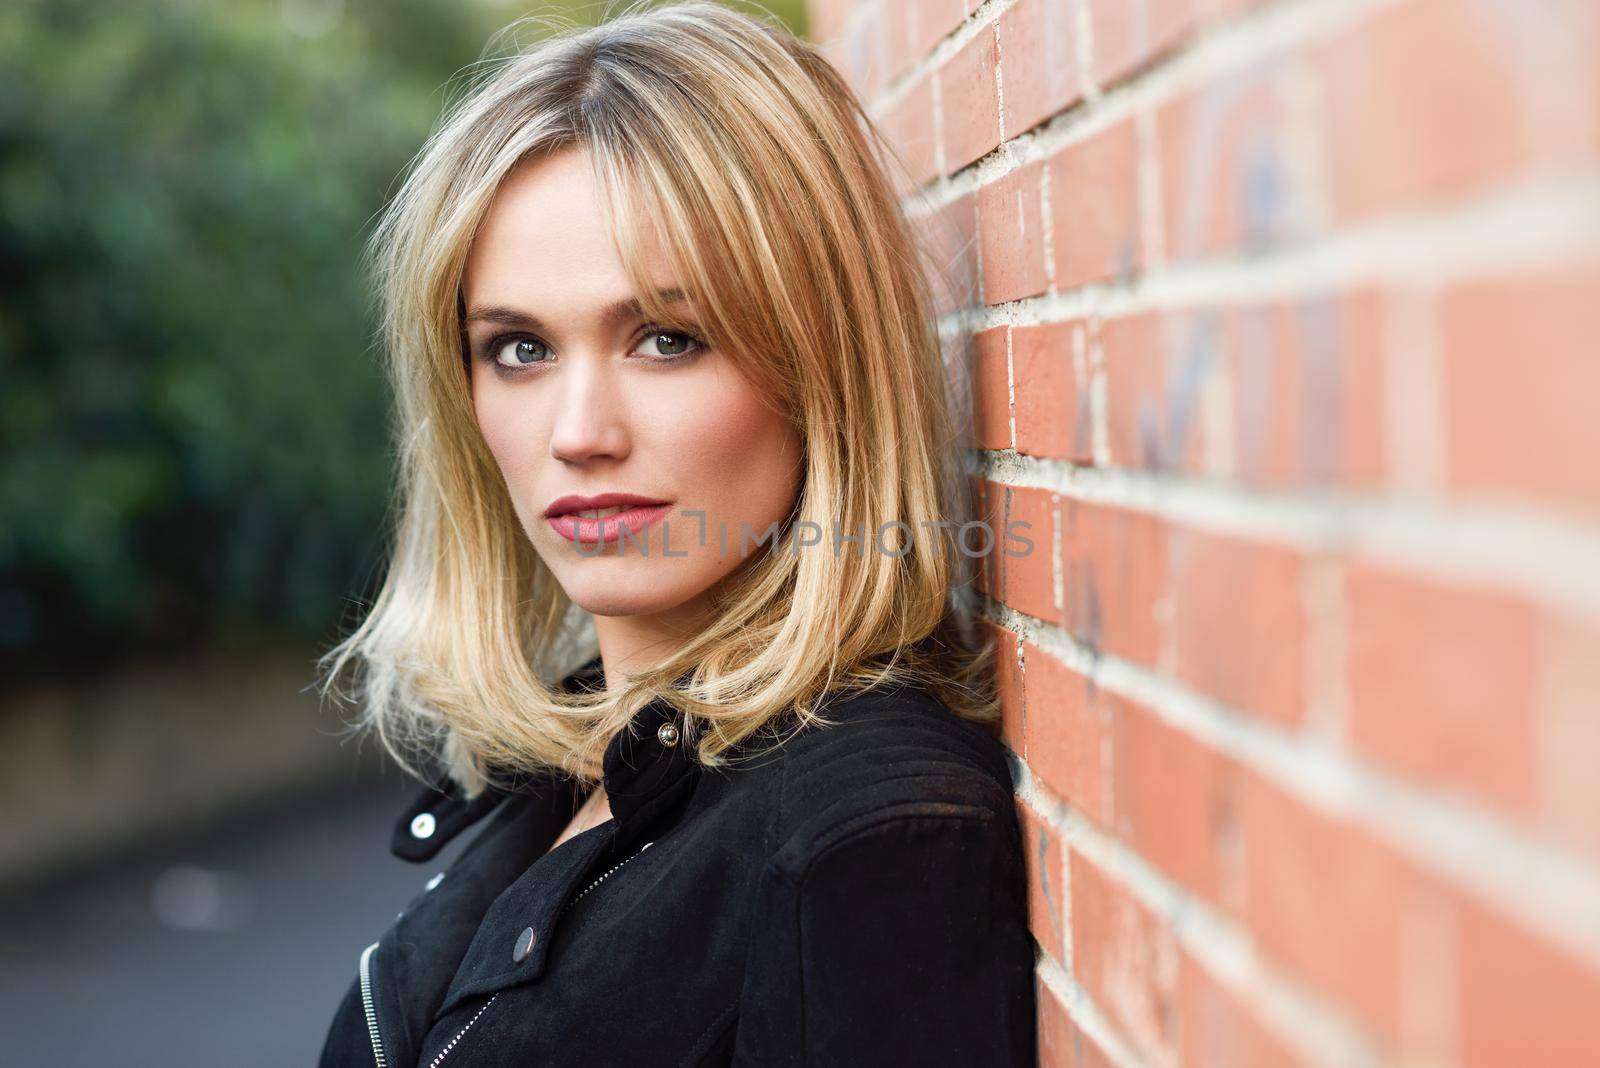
x: 622, y: 591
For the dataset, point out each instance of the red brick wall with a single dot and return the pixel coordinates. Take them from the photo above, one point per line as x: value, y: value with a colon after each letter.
x: 1285, y: 319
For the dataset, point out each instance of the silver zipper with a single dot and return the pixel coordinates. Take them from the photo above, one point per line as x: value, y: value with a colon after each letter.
x: 452, y: 1043
x: 366, y: 1004
x: 574, y: 899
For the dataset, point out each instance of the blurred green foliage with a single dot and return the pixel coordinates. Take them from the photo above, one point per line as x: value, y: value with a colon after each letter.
x: 193, y: 420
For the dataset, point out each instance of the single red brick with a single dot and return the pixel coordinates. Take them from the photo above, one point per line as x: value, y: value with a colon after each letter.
x: 1239, y: 622
x: 992, y: 388
x: 1029, y: 571
x: 970, y: 102
x: 1011, y: 236
x: 1038, y: 62
x: 1114, y: 567
x: 1052, y: 411
x: 1069, y: 724
x: 1175, y: 802
x: 1094, y: 207
x: 1442, y: 683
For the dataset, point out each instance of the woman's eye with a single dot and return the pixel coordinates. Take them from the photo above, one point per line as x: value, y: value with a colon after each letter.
x: 673, y: 344
x: 519, y: 352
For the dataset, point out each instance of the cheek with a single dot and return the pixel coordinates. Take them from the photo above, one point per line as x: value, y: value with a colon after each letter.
x: 508, y: 428
x: 738, y: 452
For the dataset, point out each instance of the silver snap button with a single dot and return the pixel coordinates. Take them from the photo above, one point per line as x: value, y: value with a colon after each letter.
x: 423, y: 825
x: 667, y: 735
x: 524, y: 946
x: 433, y: 882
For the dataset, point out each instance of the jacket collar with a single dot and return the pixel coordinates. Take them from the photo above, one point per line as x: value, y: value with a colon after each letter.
x: 647, y: 768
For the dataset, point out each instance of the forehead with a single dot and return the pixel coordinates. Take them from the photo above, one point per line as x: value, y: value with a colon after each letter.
x: 544, y: 237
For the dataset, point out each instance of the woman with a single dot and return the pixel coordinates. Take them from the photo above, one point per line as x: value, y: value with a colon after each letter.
x: 667, y: 369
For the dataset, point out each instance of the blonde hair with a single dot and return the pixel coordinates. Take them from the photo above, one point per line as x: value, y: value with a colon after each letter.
x: 756, y: 163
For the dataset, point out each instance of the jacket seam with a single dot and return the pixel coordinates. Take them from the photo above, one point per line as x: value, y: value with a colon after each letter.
x: 973, y: 738
x: 842, y: 832
x: 722, y: 1020
x: 941, y: 771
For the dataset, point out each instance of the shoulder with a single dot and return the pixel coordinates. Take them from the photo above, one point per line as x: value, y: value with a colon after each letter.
x: 890, y: 926
x: 895, y: 768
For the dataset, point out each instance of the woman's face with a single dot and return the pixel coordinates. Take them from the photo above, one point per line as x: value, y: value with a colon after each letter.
x: 578, y: 398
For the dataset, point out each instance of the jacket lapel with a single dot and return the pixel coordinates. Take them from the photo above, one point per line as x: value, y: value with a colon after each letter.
x: 533, y: 901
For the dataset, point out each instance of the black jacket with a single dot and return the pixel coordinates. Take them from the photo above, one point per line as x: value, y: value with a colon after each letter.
x: 856, y: 897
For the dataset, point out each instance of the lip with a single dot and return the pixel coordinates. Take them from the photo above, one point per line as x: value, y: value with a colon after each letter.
x: 612, y: 527
x: 575, y: 502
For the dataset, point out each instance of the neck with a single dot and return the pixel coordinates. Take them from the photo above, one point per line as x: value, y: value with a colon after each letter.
x: 630, y: 645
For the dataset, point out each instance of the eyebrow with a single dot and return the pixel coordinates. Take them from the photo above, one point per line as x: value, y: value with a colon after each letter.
x: 611, y: 313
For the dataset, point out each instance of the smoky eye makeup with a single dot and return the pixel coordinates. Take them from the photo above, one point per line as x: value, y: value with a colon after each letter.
x: 489, y: 349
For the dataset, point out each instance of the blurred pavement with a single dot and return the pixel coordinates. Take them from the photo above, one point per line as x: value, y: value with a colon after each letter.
x: 232, y: 949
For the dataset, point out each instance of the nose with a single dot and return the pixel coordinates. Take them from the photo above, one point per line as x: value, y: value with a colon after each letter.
x: 590, y: 415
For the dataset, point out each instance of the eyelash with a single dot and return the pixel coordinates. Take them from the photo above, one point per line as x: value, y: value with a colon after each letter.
x: 489, y: 351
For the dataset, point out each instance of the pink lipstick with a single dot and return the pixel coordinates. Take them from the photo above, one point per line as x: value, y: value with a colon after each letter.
x: 604, y: 517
